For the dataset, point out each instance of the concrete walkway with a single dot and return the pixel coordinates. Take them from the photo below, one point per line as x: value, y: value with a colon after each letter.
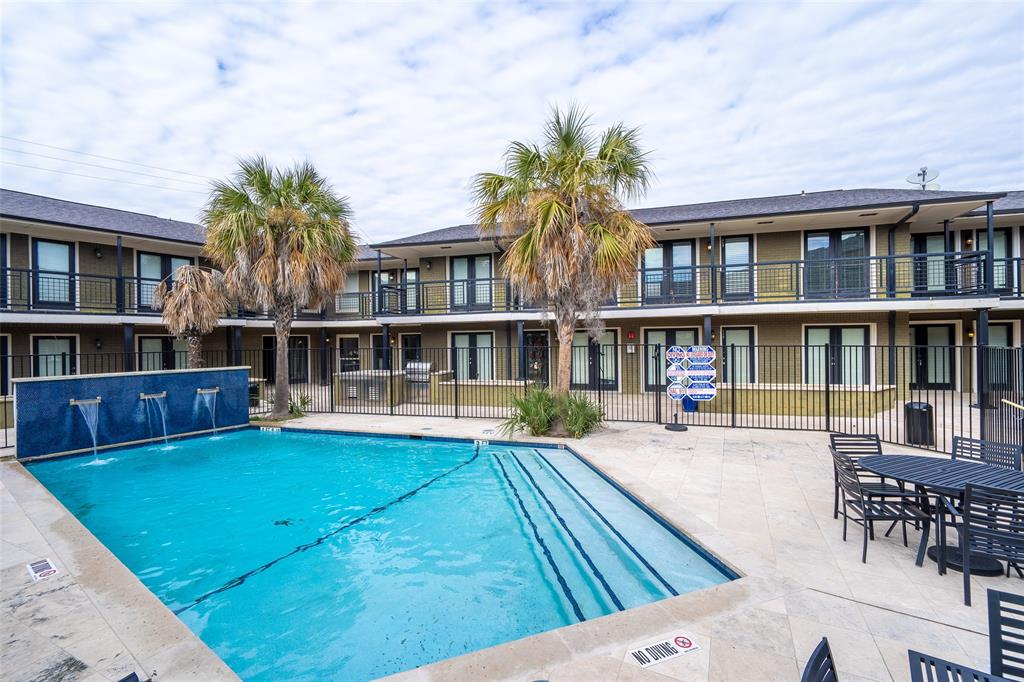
x: 760, y: 500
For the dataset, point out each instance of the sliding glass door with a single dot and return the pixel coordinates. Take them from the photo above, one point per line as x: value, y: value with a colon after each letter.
x: 932, y: 270
x: 153, y: 268
x: 847, y: 347
x: 836, y: 264
x: 668, y: 274
x: 656, y: 363
x: 595, y: 364
x: 471, y: 283
x: 473, y: 356
x: 934, y: 356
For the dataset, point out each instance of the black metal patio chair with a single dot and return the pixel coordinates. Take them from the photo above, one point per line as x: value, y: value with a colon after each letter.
x: 864, y: 508
x: 991, y: 523
x: 1006, y: 634
x: 820, y: 666
x: 1006, y: 455
x: 924, y: 668
x: 855, y: 446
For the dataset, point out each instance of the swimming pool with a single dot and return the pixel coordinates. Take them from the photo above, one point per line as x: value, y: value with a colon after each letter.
x: 311, y: 556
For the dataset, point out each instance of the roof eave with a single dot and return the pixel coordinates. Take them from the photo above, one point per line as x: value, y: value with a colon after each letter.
x: 126, y: 233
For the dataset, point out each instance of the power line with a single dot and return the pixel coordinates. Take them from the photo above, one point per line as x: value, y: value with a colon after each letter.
x: 99, y: 165
x: 96, y: 177
x: 107, y: 158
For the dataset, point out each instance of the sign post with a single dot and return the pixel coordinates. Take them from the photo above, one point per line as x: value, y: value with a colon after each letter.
x: 676, y: 389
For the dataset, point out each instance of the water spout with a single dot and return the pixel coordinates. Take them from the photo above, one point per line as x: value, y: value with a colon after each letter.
x: 160, y: 401
x: 89, y: 408
x: 209, y: 398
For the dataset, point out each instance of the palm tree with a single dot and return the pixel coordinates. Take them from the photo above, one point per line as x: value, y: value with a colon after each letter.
x: 558, y: 208
x: 283, y: 239
x: 192, y: 302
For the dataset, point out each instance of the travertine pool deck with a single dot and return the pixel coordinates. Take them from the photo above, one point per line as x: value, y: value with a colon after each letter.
x: 760, y: 500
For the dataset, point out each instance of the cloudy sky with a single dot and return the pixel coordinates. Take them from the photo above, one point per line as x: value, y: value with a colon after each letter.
x: 401, y: 103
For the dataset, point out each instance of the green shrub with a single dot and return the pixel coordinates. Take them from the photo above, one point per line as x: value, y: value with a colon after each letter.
x: 579, y: 415
x: 538, y: 408
x: 297, y: 406
x: 534, y: 412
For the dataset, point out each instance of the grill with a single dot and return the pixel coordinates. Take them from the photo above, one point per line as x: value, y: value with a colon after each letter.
x: 418, y: 372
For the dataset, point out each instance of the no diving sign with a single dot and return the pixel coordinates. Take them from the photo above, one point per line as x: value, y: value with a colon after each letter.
x: 662, y: 649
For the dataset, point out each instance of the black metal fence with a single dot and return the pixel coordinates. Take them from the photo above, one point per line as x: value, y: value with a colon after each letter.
x: 914, y: 395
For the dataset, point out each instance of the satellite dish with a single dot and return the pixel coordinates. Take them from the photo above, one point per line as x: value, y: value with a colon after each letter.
x: 923, y: 177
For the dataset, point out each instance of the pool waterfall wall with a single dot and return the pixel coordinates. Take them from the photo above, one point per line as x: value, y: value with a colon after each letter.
x: 49, y: 423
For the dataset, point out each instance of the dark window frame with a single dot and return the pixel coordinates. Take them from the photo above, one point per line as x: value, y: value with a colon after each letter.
x: 670, y: 290
x: 727, y: 270
x: 72, y: 362
x: 473, y: 357
x: 835, y: 371
x: 70, y: 273
x: 650, y: 350
x: 836, y: 269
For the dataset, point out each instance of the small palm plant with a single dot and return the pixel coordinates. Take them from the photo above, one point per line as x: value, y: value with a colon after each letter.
x: 558, y: 207
x: 192, y: 301
x: 283, y: 239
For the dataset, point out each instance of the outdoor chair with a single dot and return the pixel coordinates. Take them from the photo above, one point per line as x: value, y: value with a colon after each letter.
x: 855, y: 446
x: 991, y: 523
x: 931, y: 669
x: 864, y: 508
x: 1006, y: 634
x: 1003, y: 455
x: 820, y: 666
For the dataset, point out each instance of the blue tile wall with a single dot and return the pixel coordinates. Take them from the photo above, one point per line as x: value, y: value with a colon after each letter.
x: 47, y: 422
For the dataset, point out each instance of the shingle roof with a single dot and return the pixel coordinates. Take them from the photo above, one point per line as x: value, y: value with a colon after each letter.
x: 20, y: 205
x: 1013, y: 202
x: 810, y: 202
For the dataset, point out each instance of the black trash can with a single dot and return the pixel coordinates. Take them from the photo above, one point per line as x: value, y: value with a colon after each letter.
x: 920, y: 421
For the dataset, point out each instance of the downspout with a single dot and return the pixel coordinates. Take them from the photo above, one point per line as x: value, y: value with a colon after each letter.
x: 890, y: 262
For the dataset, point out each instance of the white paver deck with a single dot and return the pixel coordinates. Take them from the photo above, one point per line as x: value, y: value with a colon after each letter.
x: 761, y: 500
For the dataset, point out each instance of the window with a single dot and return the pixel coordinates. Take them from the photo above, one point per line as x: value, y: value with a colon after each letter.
x: 54, y: 356
x: 471, y: 282
x: 934, y: 356
x: 836, y: 263
x: 53, y: 265
x: 743, y: 340
x: 348, y: 353
x: 348, y: 300
x: 412, y: 290
x: 595, y: 365
x: 668, y: 273
x: 412, y: 348
x: 1002, y: 264
x: 848, y: 349
x: 162, y: 352
x: 737, y: 267
x: 932, y: 273
x: 473, y: 355
x: 152, y: 269
x: 655, y: 361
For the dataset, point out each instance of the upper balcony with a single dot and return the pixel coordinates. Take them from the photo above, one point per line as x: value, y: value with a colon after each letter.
x: 42, y: 291
x: 953, y: 274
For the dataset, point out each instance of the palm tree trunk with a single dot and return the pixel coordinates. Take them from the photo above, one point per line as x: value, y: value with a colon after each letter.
x: 565, y: 330
x: 195, y: 351
x: 282, y: 332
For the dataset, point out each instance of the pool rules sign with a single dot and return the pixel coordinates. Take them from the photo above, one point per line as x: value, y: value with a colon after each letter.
x: 691, y: 373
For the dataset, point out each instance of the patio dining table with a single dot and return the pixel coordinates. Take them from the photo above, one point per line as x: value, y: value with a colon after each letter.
x: 949, y: 478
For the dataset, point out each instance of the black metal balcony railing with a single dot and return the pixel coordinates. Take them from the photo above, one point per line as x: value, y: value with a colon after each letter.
x: 903, y: 276
x: 878, y: 277
x: 24, y: 290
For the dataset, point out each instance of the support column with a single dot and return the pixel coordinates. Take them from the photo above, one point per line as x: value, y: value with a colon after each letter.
x: 236, y: 335
x: 325, y: 358
x: 119, y: 294
x: 128, y: 337
x: 385, y: 332
x: 714, y: 259
x: 990, y: 279
x: 981, y: 364
x: 379, y: 303
x: 508, y: 349
x: 706, y: 339
x: 890, y: 263
x: 892, y: 347
x: 947, y: 237
x: 521, y: 345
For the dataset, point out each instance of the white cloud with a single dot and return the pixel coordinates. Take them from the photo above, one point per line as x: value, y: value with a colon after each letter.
x: 401, y: 103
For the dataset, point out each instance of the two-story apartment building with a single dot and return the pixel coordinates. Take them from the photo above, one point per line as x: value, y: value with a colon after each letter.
x: 847, y: 268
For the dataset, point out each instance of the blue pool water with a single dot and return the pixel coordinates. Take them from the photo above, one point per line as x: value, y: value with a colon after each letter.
x: 311, y: 556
